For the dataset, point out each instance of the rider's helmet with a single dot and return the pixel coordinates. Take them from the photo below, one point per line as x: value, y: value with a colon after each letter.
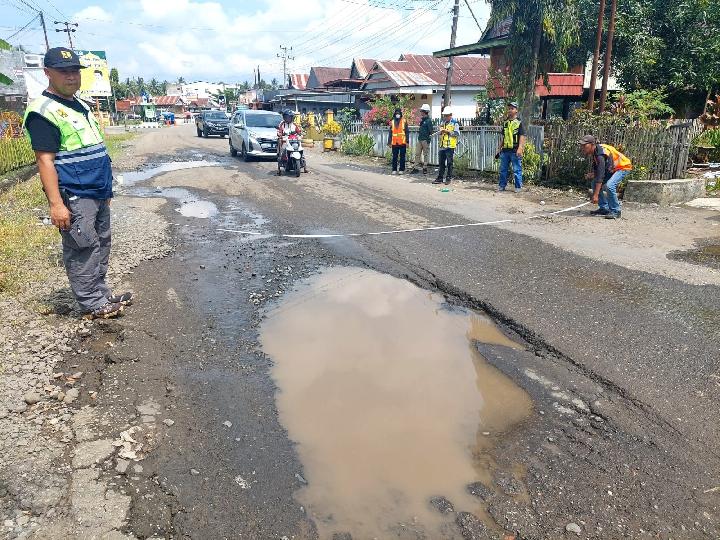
x: 288, y: 115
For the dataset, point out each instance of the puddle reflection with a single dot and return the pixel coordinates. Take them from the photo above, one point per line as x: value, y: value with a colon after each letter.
x: 387, y: 398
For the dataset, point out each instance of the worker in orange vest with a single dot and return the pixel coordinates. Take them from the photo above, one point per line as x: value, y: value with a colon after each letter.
x: 610, y: 166
x: 398, y: 140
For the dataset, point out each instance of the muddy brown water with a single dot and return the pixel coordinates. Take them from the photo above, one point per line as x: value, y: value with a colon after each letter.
x: 387, y: 399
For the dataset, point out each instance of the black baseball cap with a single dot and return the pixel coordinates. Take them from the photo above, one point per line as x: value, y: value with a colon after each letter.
x: 588, y: 139
x: 61, y: 57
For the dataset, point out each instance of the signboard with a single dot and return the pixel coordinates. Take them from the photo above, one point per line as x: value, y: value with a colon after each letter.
x: 95, y: 78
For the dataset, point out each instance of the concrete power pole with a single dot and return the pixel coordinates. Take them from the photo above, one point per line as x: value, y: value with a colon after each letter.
x: 453, y: 34
x: 67, y: 29
x: 285, y: 57
x: 42, y: 21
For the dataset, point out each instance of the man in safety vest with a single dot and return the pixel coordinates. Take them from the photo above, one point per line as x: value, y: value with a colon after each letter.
x: 449, y: 132
x: 511, y: 148
x: 398, y: 140
x: 75, y: 173
x: 609, y: 168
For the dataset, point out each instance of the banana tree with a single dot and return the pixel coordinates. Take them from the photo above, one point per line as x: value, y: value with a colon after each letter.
x: 4, y: 79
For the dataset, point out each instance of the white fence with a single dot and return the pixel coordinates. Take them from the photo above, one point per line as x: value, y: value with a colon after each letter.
x: 478, y: 143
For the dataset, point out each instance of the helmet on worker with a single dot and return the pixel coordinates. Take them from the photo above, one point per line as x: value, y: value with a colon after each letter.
x: 447, y: 111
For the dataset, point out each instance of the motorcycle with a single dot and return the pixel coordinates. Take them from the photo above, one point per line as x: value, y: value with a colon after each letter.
x: 292, y: 155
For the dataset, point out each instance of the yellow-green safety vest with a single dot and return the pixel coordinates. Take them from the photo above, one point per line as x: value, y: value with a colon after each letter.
x: 511, y: 137
x: 82, y: 163
x: 449, y: 140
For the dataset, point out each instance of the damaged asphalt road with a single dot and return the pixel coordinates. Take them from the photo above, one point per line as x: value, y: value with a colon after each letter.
x: 620, y: 368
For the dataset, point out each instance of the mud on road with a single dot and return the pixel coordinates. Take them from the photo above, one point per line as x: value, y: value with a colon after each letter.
x: 388, y: 388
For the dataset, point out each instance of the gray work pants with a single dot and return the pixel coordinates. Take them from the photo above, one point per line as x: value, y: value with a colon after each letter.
x: 86, y: 251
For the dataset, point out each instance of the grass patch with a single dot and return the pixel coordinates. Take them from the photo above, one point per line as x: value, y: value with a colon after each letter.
x: 15, y: 153
x: 114, y: 143
x: 28, y: 249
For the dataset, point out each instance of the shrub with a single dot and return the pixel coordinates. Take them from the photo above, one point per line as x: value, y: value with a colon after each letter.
x: 706, y: 146
x: 531, y: 163
x: 461, y: 165
x: 359, y: 145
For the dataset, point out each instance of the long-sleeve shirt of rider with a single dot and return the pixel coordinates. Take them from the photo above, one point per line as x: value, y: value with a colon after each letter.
x: 292, y: 126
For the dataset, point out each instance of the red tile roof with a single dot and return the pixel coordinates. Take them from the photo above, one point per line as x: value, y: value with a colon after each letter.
x: 320, y: 76
x: 125, y: 105
x: 426, y: 70
x: 561, y: 85
x: 200, y: 102
x: 299, y: 80
x: 165, y: 101
x: 364, y: 66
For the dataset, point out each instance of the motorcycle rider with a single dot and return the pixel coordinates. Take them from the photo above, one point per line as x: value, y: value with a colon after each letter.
x: 287, y: 126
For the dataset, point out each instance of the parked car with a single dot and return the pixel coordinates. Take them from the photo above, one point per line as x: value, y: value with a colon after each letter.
x: 211, y: 123
x: 253, y: 134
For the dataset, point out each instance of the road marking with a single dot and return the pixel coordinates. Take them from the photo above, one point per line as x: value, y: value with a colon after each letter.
x: 399, y: 231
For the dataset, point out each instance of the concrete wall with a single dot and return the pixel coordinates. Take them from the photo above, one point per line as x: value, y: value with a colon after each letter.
x: 665, y: 192
x: 463, y: 104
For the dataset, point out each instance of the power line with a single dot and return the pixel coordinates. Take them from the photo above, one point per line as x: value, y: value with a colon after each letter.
x: 370, y: 42
x: 23, y: 28
x: 167, y: 27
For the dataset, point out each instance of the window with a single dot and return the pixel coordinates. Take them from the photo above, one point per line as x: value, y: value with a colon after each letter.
x: 263, y: 120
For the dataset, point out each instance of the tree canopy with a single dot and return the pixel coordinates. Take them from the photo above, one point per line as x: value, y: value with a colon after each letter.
x: 674, y: 45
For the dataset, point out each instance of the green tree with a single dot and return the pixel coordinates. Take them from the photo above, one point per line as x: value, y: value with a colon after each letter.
x: 154, y: 87
x: 542, y: 32
x: 180, y: 80
x: 4, y: 79
x: 672, y: 45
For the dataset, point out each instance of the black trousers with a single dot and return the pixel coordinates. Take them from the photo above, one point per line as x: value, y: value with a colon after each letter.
x: 446, y: 157
x: 398, y: 152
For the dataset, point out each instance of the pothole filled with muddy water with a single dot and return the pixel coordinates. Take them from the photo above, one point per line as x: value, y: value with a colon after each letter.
x: 388, y: 400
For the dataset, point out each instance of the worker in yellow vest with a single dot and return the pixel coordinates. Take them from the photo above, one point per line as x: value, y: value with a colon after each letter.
x: 449, y: 132
x: 512, y: 146
x: 76, y: 176
x: 610, y: 166
x: 398, y: 141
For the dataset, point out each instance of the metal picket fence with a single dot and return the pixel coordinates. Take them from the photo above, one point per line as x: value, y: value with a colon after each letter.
x: 478, y: 143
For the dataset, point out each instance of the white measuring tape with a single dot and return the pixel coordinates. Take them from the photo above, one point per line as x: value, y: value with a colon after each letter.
x: 399, y: 231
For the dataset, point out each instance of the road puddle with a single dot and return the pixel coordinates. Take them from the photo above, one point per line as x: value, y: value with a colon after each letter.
x: 388, y: 400
x: 129, y: 178
x: 190, y: 204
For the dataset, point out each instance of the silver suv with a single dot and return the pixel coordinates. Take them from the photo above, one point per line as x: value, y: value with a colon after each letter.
x: 254, y: 134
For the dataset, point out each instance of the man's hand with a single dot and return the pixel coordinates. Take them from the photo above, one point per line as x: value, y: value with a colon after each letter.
x: 595, y: 198
x: 520, y: 151
x: 60, y: 216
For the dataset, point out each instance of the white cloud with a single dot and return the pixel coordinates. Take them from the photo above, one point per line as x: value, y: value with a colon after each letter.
x: 206, y: 40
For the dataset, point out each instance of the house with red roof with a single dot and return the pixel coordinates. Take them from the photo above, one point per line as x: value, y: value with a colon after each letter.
x: 422, y: 77
x: 176, y: 104
x: 298, y: 81
x: 557, y: 97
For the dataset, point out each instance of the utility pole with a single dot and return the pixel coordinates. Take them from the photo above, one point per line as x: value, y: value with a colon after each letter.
x: 285, y: 57
x: 67, y: 29
x: 42, y: 21
x: 596, y: 56
x: 448, y: 77
x: 608, y: 55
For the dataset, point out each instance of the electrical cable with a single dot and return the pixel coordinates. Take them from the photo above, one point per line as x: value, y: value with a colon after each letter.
x: 23, y: 28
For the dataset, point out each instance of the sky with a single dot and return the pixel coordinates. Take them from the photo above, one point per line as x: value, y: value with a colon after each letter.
x: 225, y: 40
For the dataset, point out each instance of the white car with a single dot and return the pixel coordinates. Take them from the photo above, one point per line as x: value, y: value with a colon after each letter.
x: 253, y: 134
